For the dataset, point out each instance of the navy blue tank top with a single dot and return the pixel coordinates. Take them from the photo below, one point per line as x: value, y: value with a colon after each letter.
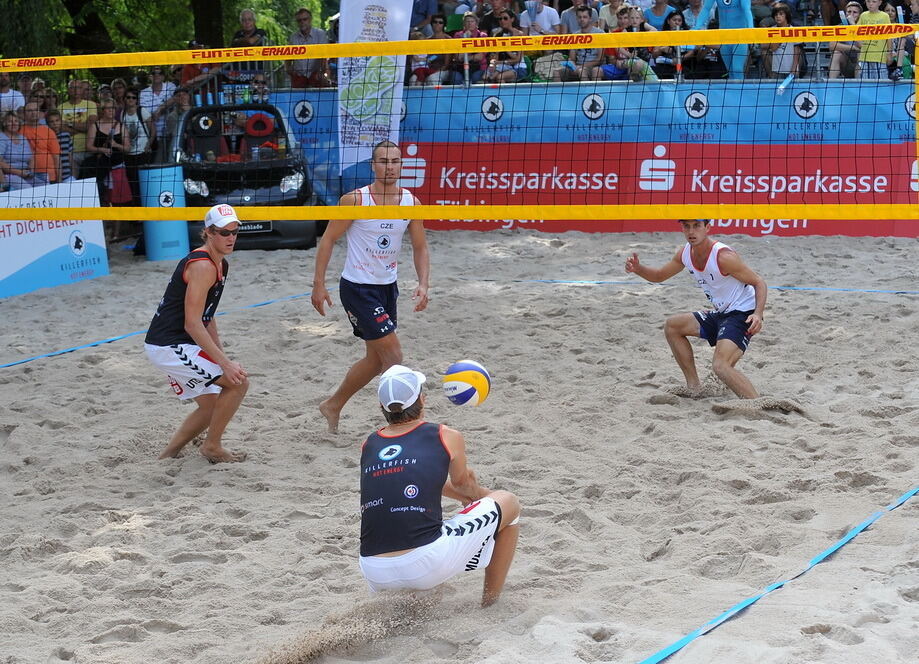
x: 401, y: 482
x: 168, y: 325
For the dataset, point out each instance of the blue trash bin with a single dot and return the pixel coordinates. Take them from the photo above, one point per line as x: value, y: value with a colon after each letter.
x: 161, y: 186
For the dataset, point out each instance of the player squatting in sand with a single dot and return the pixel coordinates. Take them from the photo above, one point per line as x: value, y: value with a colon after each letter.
x: 405, y: 469
x: 737, y: 293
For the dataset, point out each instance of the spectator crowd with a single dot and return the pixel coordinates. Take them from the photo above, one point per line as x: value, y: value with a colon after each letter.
x: 109, y: 130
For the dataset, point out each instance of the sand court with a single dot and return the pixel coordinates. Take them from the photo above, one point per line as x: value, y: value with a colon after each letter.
x: 645, y: 513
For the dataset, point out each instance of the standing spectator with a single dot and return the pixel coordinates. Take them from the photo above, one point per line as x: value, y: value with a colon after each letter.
x: 119, y: 89
x: 25, y: 84
x: 138, y: 125
x: 182, y: 103
x: 10, y: 100
x: 39, y: 98
x: 65, y: 142
x: 104, y: 93
x: 17, y: 164
x: 308, y: 72
x: 657, y: 14
x: 195, y: 75
x: 873, y: 56
x: 248, y: 35
x: 45, y: 148
x: 422, y: 12
x: 731, y: 14
x: 108, y: 144
x: 77, y: 114
x: 581, y: 62
x: 156, y: 99
x: 540, y: 20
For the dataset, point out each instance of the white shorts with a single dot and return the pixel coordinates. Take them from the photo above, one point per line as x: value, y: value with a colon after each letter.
x: 190, y: 371
x: 466, y: 543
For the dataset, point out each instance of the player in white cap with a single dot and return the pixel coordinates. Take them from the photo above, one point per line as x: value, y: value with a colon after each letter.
x: 405, y: 469
x: 182, y: 340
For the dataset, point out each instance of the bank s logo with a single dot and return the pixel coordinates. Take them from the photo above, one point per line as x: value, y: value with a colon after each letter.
x: 390, y: 452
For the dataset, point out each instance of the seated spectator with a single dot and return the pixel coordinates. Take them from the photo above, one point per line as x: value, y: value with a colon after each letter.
x: 667, y: 60
x: 43, y: 141
x: 537, y: 19
x: 608, y: 20
x: 623, y: 64
x: 308, y: 72
x: 10, y: 100
x: 422, y: 13
x: 569, y: 23
x: 417, y: 70
x: 64, y: 141
x: 248, y: 35
x: 897, y: 46
x: 784, y: 58
x: 657, y: 14
x: 488, y: 21
x: 692, y: 11
x: 506, y: 66
x: 438, y: 70
x: 844, y: 55
x: 17, y: 164
x: 474, y: 63
x: 581, y: 62
x: 762, y: 13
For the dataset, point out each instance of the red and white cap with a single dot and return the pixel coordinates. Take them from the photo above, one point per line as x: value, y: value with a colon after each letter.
x: 220, y: 216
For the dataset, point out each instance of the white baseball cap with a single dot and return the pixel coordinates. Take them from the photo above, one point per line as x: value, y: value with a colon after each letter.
x: 399, y: 385
x: 220, y: 216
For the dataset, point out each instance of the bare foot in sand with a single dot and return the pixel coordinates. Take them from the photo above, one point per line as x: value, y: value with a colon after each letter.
x: 331, y: 415
x: 686, y: 391
x: 221, y: 455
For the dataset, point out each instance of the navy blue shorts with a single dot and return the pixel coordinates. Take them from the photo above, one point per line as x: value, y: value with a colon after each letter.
x: 371, y: 308
x: 714, y: 326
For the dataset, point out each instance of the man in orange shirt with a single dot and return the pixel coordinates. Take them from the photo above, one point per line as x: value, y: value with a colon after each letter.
x: 44, y: 143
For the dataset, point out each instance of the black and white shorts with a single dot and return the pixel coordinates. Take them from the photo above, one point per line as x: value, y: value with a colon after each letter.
x: 189, y: 369
x: 466, y: 543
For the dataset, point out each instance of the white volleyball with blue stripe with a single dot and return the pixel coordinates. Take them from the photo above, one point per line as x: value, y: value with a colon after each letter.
x: 467, y: 382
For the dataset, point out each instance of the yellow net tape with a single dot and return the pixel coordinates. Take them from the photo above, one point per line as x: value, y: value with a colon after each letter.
x: 544, y: 212
x: 479, y: 45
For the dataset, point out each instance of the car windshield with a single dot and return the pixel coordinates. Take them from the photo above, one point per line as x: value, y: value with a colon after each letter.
x: 232, y: 135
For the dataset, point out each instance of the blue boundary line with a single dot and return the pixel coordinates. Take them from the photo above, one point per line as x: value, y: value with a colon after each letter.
x: 589, y: 282
x: 663, y: 654
x: 134, y: 334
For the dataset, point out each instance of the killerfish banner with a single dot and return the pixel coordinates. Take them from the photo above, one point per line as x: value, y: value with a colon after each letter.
x: 370, y: 88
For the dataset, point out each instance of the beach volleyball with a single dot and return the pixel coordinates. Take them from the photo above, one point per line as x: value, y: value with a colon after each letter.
x: 467, y: 383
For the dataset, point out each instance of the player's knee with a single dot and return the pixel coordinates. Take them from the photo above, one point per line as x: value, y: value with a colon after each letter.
x: 721, y: 366
x: 672, y: 326
x: 510, y: 505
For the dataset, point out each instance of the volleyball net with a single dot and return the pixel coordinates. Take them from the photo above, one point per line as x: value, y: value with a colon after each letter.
x: 578, y: 128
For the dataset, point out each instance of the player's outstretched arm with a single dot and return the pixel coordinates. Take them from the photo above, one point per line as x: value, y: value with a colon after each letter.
x: 729, y: 262
x: 652, y: 274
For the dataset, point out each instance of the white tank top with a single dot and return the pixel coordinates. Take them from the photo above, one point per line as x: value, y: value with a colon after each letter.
x: 374, y: 244
x: 724, y: 291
